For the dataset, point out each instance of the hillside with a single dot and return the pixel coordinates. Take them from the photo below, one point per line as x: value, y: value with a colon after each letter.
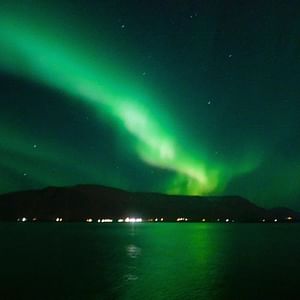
x: 91, y: 201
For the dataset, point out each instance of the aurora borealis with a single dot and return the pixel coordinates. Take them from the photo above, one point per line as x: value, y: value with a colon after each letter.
x: 197, y: 98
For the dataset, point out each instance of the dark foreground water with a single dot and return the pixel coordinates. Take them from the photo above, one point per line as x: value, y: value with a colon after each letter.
x: 149, y: 261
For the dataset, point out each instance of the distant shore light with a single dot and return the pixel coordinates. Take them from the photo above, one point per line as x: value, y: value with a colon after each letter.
x: 106, y: 221
x: 133, y: 220
x: 181, y: 219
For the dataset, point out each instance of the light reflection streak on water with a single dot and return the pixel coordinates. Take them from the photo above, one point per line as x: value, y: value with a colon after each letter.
x: 133, y: 252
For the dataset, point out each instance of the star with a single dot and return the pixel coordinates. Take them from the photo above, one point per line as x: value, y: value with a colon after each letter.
x: 35, y: 146
x: 230, y: 55
x: 24, y: 174
x: 144, y: 73
x: 123, y: 26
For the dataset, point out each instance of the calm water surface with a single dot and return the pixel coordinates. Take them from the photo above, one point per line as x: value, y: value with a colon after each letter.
x: 149, y: 261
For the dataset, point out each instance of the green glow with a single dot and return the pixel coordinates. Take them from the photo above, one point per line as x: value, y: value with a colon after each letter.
x: 17, y: 153
x: 34, y: 50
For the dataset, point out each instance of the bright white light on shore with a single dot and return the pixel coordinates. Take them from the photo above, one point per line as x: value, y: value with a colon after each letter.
x: 106, y: 221
x: 181, y: 219
x: 24, y: 219
x: 289, y: 218
x: 203, y: 220
x: 227, y: 220
x: 263, y: 220
x: 161, y: 219
x: 120, y: 220
x: 89, y: 220
x: 156, y: 219
x: 275, y: 220
x: 133, y: 220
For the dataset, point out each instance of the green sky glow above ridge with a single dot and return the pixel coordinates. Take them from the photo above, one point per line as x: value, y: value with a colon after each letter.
x: 192, y: 135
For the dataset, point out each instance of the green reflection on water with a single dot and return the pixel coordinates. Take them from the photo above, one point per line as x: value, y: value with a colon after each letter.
x: 172, y: 261
x: 148, y: 261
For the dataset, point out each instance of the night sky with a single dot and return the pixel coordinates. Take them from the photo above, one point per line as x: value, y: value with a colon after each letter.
x: 180, y: 97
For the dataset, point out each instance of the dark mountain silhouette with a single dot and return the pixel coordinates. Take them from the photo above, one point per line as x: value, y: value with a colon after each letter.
x: 80, y: 202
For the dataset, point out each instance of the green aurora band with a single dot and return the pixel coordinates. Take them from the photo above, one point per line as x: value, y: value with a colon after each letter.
x: 49, y: 54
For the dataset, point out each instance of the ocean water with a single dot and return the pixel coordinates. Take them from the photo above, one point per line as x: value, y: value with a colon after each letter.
x: 149, y: 261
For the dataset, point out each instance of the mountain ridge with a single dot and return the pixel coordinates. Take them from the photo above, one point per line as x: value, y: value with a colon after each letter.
x: 82, y: 201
